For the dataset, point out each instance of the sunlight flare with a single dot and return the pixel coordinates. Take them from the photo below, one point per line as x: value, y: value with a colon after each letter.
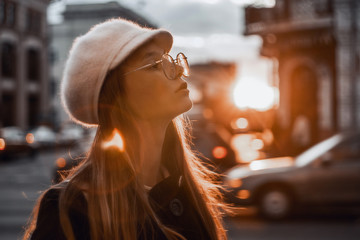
x: 115, y: 141
x: 255, y: 95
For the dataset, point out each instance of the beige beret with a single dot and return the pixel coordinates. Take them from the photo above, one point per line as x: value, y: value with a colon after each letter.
x: 92, y: 55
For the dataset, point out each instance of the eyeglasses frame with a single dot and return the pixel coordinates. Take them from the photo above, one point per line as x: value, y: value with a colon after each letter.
x: 175, y: 61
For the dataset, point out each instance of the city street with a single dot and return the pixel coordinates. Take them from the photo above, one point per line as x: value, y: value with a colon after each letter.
x: 21, y: 181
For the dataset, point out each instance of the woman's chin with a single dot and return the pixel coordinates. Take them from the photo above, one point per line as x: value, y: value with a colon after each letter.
x: 189, y: 106
x: 186, y: 106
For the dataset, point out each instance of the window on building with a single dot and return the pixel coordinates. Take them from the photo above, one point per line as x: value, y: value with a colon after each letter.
x: 8, y: 60
x: 7, y: 110
x: 2, y: 12
x: 33, y: 64
x: 324, y: 8
x: 53, y: 86
x: 33, y: 21
x: 10, y: 14
x: 7, y: 13
x: 33, y: 110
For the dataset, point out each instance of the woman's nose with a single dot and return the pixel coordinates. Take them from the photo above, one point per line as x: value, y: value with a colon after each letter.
x: 179, y: 70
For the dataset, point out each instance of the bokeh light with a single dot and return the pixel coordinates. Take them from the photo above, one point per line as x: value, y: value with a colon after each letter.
x: 219, y: 152
x: 115, y: 141
x: 255, y: 95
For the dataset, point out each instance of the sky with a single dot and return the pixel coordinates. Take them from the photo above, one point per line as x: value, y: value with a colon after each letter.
x: 205, y: 30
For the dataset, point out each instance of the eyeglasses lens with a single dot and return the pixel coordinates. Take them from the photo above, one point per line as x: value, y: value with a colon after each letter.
x: 182, y: 61
x: 169, y: 66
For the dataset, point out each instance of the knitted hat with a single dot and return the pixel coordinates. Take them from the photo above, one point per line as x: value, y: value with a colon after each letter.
x: 93, y: 55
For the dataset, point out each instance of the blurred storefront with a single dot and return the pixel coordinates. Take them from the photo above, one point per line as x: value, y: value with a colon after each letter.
x: 213, y: 82
x: 24, y: 85
x: 210, y: 85
x: 315, y: 45
x: 230, y: 109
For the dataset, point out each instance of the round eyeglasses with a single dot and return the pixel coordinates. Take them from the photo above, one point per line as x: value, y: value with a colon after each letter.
x: 169, y: 66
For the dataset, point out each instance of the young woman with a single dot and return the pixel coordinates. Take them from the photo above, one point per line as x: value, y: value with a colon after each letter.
x: 140, y: 179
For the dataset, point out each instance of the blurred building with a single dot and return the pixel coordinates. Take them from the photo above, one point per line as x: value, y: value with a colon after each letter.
x: 77, y: 20
x: 23, y: 63
x: 316, y: 44
x: 212, y: 83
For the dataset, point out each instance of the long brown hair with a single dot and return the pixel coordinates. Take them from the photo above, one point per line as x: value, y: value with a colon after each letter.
x: 108, y: 178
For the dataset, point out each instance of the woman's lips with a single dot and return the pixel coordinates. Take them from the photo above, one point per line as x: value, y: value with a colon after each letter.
x: 183, y: 86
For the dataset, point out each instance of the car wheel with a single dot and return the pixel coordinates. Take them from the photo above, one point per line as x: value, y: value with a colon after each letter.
x: 275, y: 204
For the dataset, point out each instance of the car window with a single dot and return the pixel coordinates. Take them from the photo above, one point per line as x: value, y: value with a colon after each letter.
x: 317, y: 151
x: 346, y: 152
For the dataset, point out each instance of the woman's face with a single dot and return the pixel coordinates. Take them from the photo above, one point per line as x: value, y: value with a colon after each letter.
x: 150, y: 94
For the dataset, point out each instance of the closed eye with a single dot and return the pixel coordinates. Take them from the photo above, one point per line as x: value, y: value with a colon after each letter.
x: 155, y: 65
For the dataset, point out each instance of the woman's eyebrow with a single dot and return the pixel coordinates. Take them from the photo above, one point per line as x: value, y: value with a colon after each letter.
x: 152, y: 56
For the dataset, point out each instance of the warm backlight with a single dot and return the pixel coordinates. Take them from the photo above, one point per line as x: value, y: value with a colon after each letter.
x: 219, y: 152
x: 257, y: 144
x: 30, y: 138
x: 61, y: 162
x: 241, y: 123
x: 255, y: 95
x: 234, y: 183
x: 2, y: 144
x: 243, y: 194
x: 244, y: 147
x: 115, y: 141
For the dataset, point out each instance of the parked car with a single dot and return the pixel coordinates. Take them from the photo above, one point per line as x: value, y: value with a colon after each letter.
x: 13, y: 142
x: 69, y: 134
x: 213, y: 148
x: 73, y: 157
x: 42, y: 137
x: 327, y: 175
x: 211, y: 141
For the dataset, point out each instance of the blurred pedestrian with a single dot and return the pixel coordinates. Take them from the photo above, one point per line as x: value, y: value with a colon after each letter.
x: 140, y: 179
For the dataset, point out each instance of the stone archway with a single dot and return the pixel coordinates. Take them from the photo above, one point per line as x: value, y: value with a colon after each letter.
x: 305, y: 100
x: 303, y: 107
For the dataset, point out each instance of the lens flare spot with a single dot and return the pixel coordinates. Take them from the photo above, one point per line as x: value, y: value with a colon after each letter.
x: 242, y: 123
x: 254, y: 95
x: 243, y: 194
x: 235, y: 183
x: 115, y: 141
x: 30, y: 138
x: 257, y: 144
x: 219, y: 152
x: 2, y: 144
x: 60, y: 162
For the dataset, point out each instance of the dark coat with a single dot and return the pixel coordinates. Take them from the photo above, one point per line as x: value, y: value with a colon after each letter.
x: 168, y: 199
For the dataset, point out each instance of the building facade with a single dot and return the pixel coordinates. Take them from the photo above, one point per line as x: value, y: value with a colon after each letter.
x: 24, y: 81
x: 316, y: 45
x: 78, y: 19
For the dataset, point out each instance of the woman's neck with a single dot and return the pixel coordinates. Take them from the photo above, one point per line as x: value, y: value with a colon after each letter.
x: 152, y: 135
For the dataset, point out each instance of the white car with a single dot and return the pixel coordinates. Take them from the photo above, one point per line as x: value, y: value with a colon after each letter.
x: 13, y: 142
x: 327, y: 175
x: 42, y: 136
x: 70, y: 134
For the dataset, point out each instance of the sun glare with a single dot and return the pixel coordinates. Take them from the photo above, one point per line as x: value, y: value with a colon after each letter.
x: 115, y: 141
x: 254, y: 94
x: 30, y: 138
x: 2, y: 144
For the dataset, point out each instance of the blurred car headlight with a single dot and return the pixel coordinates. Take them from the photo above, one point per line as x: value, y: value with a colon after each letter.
x: 219, y: 152
x: 61, y: 162
x: 243, y: 194
x: 234, y: 182
x: 2, y: 144
x: 30, y: 138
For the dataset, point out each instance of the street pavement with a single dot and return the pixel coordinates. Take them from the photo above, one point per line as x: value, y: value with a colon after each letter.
x: 300, y: 228
x: 23, y: 179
